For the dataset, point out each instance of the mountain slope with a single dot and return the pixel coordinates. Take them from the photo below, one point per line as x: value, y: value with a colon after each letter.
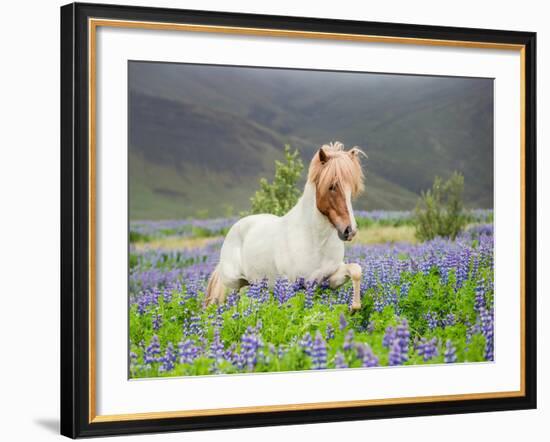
x: 201, y: 136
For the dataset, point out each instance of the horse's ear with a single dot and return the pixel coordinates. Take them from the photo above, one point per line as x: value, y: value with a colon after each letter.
x: 355, y: 152
x: 322, y: 156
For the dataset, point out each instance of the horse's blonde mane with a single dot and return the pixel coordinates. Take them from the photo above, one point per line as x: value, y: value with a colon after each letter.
x: 342, y: 167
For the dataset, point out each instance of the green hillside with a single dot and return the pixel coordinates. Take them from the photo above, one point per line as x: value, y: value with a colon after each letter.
x: 201, y: 136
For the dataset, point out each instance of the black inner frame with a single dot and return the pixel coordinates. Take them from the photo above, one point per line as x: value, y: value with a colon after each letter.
x: 75, y: 220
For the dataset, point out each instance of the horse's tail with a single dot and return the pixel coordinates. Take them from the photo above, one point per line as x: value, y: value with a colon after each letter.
x: 215, y: 290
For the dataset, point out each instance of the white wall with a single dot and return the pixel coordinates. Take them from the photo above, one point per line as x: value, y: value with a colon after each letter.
x: 29, y: 218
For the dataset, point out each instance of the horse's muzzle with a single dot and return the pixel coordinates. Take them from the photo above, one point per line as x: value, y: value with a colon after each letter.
x: 347, y: 234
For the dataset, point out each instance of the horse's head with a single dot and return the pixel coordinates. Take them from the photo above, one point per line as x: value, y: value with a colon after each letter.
x: 338, y: 178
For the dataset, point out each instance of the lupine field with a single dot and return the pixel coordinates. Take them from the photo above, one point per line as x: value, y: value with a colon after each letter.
x: 423, y: 303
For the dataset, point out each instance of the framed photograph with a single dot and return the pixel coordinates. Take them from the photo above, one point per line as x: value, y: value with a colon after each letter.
x: 274, y: 220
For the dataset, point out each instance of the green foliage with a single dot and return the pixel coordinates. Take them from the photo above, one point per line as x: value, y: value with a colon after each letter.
x: 282, y: 194
x: 365, y: 223
x: 203, y: 232
x: 138, y: 237
x: 440, y: 210
x: 283, y: 325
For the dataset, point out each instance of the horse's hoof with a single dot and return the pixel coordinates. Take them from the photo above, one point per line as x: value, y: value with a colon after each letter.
x: 355, y: 307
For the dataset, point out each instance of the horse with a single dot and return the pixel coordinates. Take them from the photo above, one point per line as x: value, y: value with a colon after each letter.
x: 307, y: 242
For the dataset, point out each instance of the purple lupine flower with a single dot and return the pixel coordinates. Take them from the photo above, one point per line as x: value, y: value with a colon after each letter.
x: 450, y: 353
x: 310, y: 292
x: 298, y: 285
x: 306, y: 344
x: 220, y: 309
x: 250, y: 344
x: 281, y: 290
x: 480, y: 296
x: 449, y: 320
x: 340, y: 361
x: 157, y: 321
x: 250, y: 309
x: 330, y: 332
x: 324, y: 298
x: 379, y: 304
x: 391, y: 299
x: 155, y: 295
x: 231, y: 354
x: 142, y: 303
x: 487, y: 330
x: 366, y: 355
x: 475, y: 267
x: 431, y: 318
x: 218, y: 320
x: 167, y: 294
x: 216, y: 347
x: 399, y: 345
x: 427, y: 348
x: 402, y: 333
x: 192, y: 326
x: 266, y: 293
x: 395, y: 356
x: 445, y: 267
x: 389, y: 337
x: 232, y: 299
x: 426, y: 266
x: 343, y: 322
x: 319, y: 352
x: 472, y: 330
x: 192, y: 286
x: 254, y: 290
x: 344, y: 295
x: 152, y: 351
x: 133, y: 361
x: 404, y: 290
x: 463, y: 267
x: 188, y: 352
x: 348, y: 340
x: 168, y: 360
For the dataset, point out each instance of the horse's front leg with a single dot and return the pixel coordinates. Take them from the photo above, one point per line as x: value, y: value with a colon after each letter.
x: 341, y: 275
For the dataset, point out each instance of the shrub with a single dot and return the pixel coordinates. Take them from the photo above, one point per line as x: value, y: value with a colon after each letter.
x: 138, y: 237
x: 282, y: 194
x: 440, y: 210
x: 204, y: 232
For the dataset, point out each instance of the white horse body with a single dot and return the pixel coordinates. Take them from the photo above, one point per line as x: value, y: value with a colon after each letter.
x: 301, y: 244
x: 305, y: 243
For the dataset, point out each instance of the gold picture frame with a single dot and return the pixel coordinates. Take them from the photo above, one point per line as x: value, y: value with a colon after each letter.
x: 79, y: 54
